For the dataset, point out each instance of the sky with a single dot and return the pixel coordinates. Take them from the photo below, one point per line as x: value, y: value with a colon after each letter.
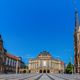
x: 31, y: 26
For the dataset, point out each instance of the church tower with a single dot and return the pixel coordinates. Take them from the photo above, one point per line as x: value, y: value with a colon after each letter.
x: 1, y: 43
x: 77, y: 44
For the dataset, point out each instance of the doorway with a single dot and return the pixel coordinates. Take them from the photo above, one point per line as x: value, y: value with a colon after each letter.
x: 44, y: 71
x: 48, y: 71
x: 40, y: 71
x: 24, y: 71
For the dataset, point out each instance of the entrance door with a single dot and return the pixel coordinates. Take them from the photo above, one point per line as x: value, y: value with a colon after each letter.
x: 44, y: 71
x: 24, y: 71
x: 40, y: 71
x: 48, y: 71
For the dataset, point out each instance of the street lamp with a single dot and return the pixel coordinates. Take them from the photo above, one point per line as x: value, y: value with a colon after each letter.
x: 17, y: 66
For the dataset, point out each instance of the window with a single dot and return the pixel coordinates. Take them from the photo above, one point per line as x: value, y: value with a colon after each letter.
x: 7, y: 61
x: 44, y: 63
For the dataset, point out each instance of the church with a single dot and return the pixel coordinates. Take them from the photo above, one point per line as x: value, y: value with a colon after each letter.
x: 45, y: 63
x: 77, y: 44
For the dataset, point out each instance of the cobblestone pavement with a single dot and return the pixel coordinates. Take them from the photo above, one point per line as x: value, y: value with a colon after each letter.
x: 40, y: 77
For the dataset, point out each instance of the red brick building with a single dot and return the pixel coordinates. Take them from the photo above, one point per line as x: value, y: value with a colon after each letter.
x: 8, y: 62
x: 77, y: 44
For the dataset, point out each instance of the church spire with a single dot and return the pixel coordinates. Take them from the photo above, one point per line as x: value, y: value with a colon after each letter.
x: 76, y: 16
x: 1, y: 43
x: 1, y: 39
x: 76, y: 20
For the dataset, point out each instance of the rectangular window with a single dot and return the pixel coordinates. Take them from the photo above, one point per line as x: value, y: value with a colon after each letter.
x: 7, y: 61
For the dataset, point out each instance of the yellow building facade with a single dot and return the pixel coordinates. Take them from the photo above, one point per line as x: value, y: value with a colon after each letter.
x: 45, y: 63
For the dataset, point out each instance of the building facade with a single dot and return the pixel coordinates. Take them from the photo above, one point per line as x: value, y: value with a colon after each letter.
x: 9, y: 63
x: 77, y: 44
x: 45, y: 63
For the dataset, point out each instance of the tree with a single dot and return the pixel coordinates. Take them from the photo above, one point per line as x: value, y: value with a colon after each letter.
x: 69, y: 68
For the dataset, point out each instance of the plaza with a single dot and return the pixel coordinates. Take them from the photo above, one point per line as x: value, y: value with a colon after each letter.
x: 40, y: 77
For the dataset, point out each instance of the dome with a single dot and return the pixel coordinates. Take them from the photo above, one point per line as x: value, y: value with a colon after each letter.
x: 44, y: 53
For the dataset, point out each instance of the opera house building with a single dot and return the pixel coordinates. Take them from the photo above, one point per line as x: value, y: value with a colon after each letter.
x: 45, y: 63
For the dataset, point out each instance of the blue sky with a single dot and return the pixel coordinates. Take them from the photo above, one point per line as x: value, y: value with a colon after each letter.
x: 31, y: 26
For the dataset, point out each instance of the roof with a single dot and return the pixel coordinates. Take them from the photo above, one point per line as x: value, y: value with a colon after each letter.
x: 62, y: 62
x: 44, y: 53
x: 12, y: 56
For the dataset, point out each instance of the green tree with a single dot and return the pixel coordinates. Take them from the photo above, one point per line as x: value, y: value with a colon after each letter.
x: 69, y: 68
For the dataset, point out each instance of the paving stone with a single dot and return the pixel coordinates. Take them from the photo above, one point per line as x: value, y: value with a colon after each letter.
x: 40, y: 77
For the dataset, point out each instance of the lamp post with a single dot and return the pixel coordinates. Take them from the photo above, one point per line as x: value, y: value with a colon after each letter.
x: 17, y: 66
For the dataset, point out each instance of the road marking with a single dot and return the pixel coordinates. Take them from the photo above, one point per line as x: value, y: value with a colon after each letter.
x: 32, y: 77
x: 46, y: 77
x: 39, y: 77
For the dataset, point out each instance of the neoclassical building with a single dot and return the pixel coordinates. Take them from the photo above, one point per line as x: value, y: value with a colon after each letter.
x: 45, y: 63
x: 8, y: 62
x: 77, y: 44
